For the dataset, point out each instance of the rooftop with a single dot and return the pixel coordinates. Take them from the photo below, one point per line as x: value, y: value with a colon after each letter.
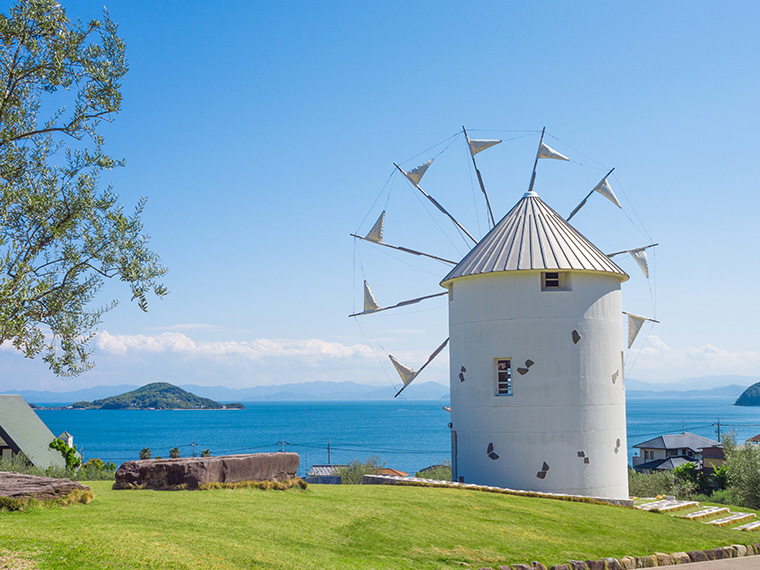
x: 532, y: 236
x: 684, y: 440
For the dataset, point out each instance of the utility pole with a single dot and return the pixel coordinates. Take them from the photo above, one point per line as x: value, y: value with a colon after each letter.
x: 718, y: 430
x: 329, y: 462
x: 193, y: 444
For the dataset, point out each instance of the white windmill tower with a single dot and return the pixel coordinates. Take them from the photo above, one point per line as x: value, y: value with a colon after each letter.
x: 536, y: 361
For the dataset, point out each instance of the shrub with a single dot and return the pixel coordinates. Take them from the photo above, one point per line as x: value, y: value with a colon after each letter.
x: 354, y: 472
x: 206, y: 453
x: 659, y: 483
x: 743, y: 466
x: 174, y: 453
x: 145, y: 453
x: 70, y: 455
x: 438, y: 472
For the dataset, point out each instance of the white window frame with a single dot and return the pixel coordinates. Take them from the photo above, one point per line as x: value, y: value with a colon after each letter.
x: 555, y: 281
x: 502, y: 377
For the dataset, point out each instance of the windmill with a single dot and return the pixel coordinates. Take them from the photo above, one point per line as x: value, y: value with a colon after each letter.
x: 535, y: 351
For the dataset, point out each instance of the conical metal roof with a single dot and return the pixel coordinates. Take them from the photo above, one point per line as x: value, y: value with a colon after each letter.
x: 532, y: 236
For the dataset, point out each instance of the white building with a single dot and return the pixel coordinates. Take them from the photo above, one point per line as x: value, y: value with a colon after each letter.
x: 537, y: 390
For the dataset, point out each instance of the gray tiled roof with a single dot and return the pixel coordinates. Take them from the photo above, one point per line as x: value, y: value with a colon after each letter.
x: 23, y: 430
x: 681, y: 441
x: 532, y: 236
x: 663, y: 464
x: 320, y: 470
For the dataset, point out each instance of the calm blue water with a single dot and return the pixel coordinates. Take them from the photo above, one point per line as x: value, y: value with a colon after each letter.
x: 405, y: 435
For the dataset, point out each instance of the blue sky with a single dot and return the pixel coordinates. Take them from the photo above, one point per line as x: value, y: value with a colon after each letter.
x: 262, y: 134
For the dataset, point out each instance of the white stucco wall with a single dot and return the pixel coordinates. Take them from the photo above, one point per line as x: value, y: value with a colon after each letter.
x: 566, y: 403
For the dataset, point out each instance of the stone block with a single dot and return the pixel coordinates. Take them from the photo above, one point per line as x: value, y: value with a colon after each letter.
x: 740, y: 550
x: 664, y: 559
x: 710, y: 555
x: 191, y: 472
x: 576, y: 565
x: 20, y: 486
x: 628, y: 562
x: 537, y: 565
x: 681, y: 558
x: 613, y: 564
x: 595, y: 564
x: 649, y: 561
x: 521, y: 567
x: 697, y: 556
x: 560, y: 567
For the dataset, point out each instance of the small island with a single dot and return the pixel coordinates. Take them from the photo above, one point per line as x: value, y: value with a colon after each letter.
x: 156, y: 396
x: 750, y: 397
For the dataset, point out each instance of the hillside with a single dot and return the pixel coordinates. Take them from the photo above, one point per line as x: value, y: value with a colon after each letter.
x: 750, y: 397
x: 340, y: 526
x: 155, y: 396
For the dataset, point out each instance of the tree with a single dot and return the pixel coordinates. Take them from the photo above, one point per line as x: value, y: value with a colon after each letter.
x: 174, y: 453
x: 145, y: 453
x: 206, y: 453
x: 743, y: 466
x: 60, y: 237
x: 70, y: 455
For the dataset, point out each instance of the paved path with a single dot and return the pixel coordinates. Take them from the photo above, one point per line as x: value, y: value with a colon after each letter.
x: 744, y: 563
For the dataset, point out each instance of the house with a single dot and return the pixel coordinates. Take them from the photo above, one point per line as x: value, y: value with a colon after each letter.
x: 324, y: 474
x: 395, y: 472
x: 22, y: 431
x: 669, y: 451
x: 754, y: 440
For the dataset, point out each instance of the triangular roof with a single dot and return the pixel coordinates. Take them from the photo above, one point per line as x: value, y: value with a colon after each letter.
x: 532, y: 236
x: 684, y: 440
x: 23, y: 430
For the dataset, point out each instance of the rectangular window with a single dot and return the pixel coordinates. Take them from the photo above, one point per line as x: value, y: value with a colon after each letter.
x: 555, y: 281
x: 503, y: 376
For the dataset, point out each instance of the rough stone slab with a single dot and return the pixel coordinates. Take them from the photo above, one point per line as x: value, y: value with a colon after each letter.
x: 740, y: 550
x: 666, y: 505
x: 664, y: 559
x: 710, y: 555
x: 20, y: 486
x: 537, y: 565
x: 681, y: 558
x: 521, y: 567
x: 191, y: 472
x: 560, y: 567
x: 613, y: 564
x: 396, y: 480
x: 649, y: 561
x: 576, y: 565
x: 704, y: 513
x: 697, y: 556
x: 718, y: 553
x: 734, y: 518
x: 628, y: 563
x: 754, y: 525
x: 595, y: 564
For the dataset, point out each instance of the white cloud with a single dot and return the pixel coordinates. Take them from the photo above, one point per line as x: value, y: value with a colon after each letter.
x: 659, y: 360
x: 178, y: 343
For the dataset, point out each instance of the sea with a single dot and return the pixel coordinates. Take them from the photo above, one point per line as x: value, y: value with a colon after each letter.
x: 407, y: 435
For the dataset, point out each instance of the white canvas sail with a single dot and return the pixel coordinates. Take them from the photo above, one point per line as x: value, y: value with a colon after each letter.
x: 605, y: 190
x: 370, y: 304
x: 545, y: 151
x: 376, y: 233
x: 478, y: 145
x: 635, y: 322
x: 407, y: 374
x: 640, y: 255
x: 416, y: 174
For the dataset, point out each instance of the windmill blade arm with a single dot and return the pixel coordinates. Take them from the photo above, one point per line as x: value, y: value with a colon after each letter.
x: 436, y: 352
x: 634, y: 249
x: 401, y: 304
x: 579, y: 206
x: 406, y: 249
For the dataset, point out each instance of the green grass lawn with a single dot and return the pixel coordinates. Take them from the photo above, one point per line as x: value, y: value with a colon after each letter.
x: 334, y: 526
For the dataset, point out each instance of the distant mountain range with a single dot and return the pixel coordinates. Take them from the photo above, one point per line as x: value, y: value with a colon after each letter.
x: 704, y: 387
x: 303, y: 391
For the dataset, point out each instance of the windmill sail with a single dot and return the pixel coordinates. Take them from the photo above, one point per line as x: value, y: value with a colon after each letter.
x: 640, y: 255
x: 479, y: 145
x: 545, y: 151
x: 407, y: 374
x: 370, y: 304
x: 416, y: 174
x: 376, y: 233
x: 635, y: 322
x: 605, y: 190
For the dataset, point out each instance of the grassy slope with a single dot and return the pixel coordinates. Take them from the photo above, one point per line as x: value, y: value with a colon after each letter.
x: 339, y: 527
